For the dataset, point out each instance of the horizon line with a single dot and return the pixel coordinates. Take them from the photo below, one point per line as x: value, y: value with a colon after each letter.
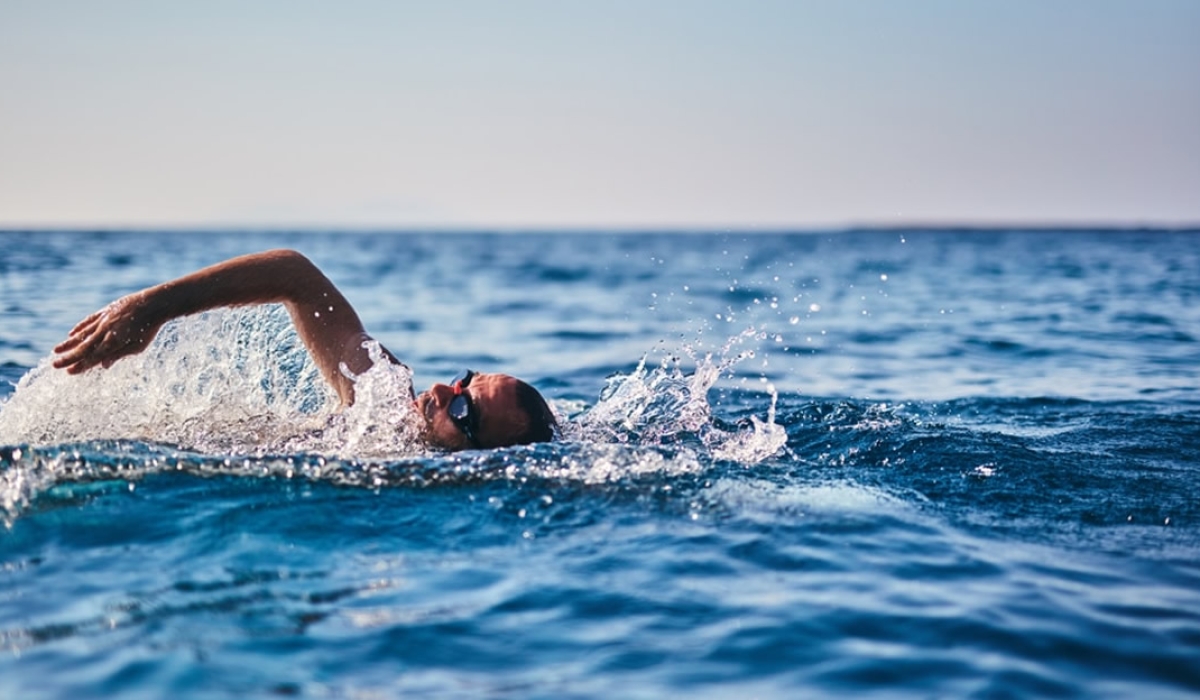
x: 1182, y: 226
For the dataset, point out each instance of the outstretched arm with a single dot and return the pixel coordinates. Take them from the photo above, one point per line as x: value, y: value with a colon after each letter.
x: 326, y: 322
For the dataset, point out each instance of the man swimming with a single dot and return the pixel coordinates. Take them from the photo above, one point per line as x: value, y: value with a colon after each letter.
x: 472, y: 411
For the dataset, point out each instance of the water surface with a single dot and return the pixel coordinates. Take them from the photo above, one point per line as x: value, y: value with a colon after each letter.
x: 895, y: 463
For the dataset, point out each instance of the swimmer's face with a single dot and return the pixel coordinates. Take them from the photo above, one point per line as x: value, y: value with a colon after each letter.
x: 497, y: 416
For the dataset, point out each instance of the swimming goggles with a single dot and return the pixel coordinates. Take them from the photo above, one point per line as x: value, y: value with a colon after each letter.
x: 461, y: 410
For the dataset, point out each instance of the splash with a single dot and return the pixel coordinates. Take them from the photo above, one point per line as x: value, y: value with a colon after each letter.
x: 232, y: 381
x: 234, y: 392
x: 240, y: 382
x: 664, y: 405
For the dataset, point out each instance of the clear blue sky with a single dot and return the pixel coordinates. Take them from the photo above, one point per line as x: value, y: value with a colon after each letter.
x: 612, y: 113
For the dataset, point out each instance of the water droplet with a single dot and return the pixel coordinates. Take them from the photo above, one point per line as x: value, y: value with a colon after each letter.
x: 814, y: 307
x: 317, y: 314
x: 883, y: 278
x: 794, y: 320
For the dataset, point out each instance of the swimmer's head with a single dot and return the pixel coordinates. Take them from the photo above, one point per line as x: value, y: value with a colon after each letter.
x: 484, y: 411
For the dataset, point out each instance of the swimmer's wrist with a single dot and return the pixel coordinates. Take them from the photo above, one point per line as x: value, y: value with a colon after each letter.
x: 163, y: 303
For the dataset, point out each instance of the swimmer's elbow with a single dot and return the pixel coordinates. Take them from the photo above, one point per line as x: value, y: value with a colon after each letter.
x: 301, y: 273
x: 289, y: 256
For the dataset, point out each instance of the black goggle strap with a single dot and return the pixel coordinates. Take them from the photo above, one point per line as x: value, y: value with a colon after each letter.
x: 462, y: 380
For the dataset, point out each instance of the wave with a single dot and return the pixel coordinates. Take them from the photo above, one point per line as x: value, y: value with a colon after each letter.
x: 233, y: 392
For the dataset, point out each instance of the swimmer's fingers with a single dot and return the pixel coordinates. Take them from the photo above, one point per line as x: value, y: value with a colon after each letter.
x: 91, y: 320
x: 86, y: 334
x: 81, y: 336
x: 102, y: 350
x: 82, y: 330
x: 80, y: 357
x: 76, y: 337
x: 103, y: 347
x: 89, y: 346
x: 124, y: 327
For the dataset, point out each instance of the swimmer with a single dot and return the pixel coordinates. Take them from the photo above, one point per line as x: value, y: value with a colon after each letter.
x: 473, y: 411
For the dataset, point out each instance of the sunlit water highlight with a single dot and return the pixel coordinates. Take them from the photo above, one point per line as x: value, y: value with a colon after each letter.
x: 895, y: 463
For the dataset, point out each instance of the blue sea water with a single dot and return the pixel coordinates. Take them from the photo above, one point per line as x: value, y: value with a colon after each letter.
x: 901, y: 463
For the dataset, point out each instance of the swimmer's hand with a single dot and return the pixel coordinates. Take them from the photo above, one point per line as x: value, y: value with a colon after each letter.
x: 124, y: 327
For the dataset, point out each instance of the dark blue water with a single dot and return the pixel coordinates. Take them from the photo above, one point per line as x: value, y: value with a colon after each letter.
x: 893, y: 463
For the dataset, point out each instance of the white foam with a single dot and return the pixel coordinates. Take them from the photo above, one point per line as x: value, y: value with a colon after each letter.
x: 233, y: 381
x: 657, y: 406
x: 235, y: 392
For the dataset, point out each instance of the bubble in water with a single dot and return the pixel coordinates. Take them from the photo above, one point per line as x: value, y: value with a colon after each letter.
x: 651, y: 407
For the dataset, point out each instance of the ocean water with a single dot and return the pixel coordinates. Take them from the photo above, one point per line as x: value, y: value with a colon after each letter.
x: 899, y: 463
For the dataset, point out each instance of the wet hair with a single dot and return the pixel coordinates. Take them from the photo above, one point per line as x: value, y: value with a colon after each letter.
x: 542, y: 424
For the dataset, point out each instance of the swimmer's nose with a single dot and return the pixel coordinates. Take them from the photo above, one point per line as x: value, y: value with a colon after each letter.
x: 441, y: 394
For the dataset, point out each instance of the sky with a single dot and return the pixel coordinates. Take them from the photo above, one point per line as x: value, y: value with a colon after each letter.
x: 603, y: 114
